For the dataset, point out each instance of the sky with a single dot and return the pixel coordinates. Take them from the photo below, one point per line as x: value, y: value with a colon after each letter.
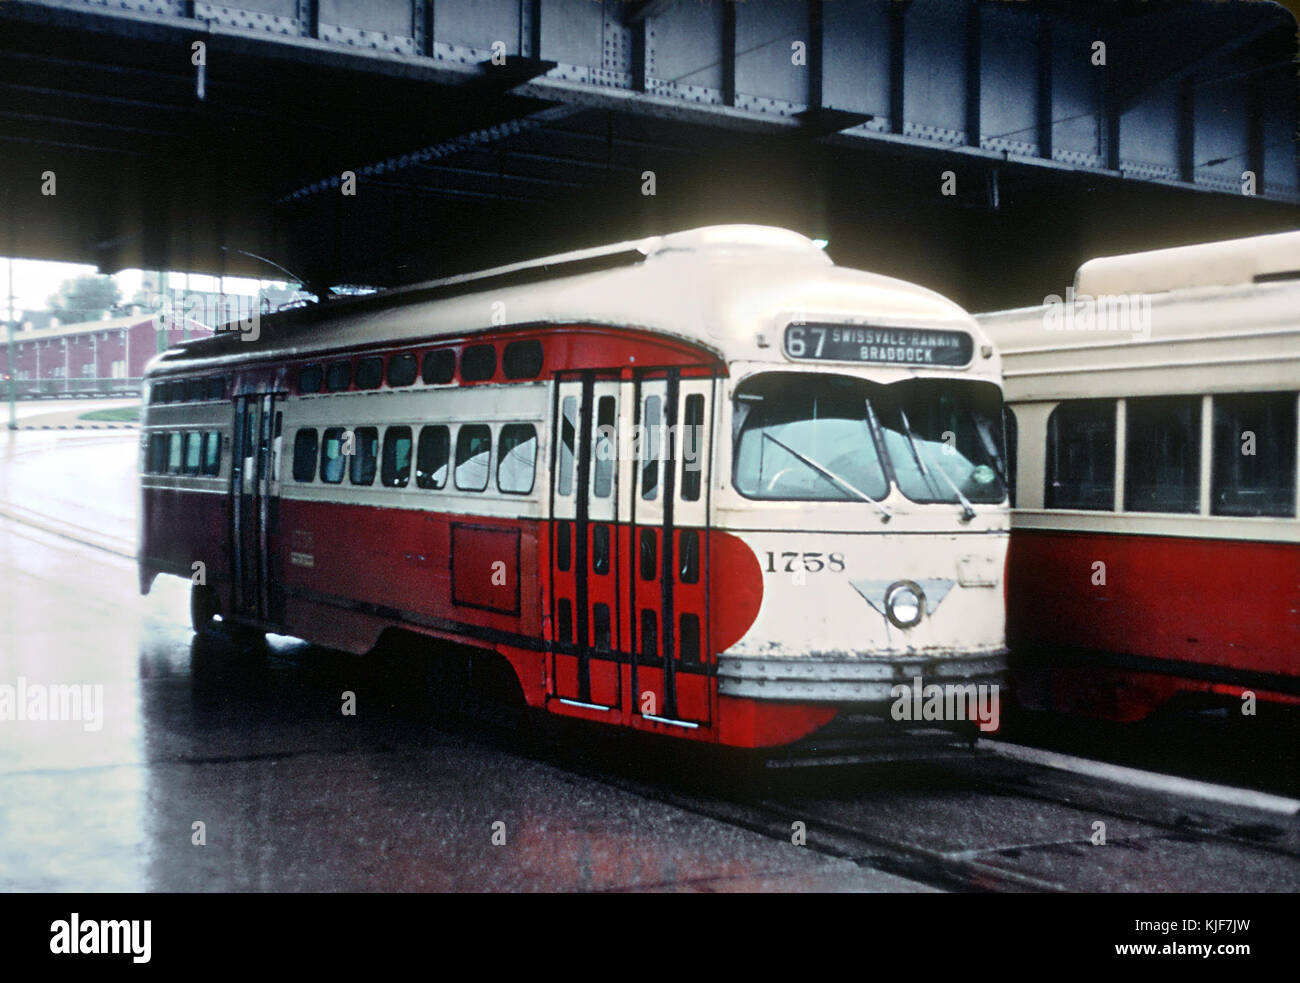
x: 35, y: 281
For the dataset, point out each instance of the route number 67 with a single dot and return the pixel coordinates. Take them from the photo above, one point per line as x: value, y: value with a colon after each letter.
x: 796, y: 342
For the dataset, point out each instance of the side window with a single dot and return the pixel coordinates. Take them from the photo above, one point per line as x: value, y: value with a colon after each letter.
x: 305, y: 444
x: 395, y: 468
x: 568, y: 438
x: 692, y: 447
x: 1081, y: 455
x: 339, y: 376
x: 516, y: 458
x: 473, y: 456
x: 1254, y: 455
x: 600, y: 549
x: 1011, y: 430
x: 158, y: 453
x: 365, y: 450
x: 174, y: 453
x: 370, y: 372
x: 603, y: 448
x: 193, y: 451
x: 1162, y: 463
x: 649, y: 555
x: 689, y: 556
x: 402, y: 370
x: 212, y: 453
x: 652, y: 449
x: 195, y: 389
x: 310, y: 378
x: 522, y: 359
x: 478, y: 363
x: 432, y: 456
x: 331, y: 456
x: 217, y: 387
x: 439, y: 366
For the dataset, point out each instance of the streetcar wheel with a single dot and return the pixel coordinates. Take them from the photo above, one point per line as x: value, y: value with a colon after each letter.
x: 204, y: 609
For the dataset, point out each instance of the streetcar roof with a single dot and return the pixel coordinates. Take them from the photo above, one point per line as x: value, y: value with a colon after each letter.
x: 1225, y: 263
x: 719, y: 287
x: 1218, y: 317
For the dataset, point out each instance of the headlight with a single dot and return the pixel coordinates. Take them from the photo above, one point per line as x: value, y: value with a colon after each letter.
x: 904, y: 603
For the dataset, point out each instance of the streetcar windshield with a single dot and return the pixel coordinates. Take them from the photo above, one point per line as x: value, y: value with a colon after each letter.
x: 805, y: 436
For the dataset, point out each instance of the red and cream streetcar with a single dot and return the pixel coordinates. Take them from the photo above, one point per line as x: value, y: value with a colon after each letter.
x: 1156, y: 547
x: 707, y: 484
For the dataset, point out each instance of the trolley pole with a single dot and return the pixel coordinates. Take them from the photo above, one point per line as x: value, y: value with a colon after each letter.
x: 13, y: 413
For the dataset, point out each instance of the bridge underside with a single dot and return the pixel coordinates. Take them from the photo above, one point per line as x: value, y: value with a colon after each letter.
x: 482, y: 132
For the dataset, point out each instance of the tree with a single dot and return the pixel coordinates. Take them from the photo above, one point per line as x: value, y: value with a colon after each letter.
x: 85, y: 299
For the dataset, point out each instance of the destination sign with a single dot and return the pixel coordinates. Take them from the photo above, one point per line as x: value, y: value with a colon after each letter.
x: 890, y: 346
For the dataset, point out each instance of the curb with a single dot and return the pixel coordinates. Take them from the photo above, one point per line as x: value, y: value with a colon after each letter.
x: 79, y: 426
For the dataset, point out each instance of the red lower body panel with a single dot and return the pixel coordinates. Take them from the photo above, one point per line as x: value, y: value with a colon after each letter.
x: 1163, y: 616
x: 346, y: 573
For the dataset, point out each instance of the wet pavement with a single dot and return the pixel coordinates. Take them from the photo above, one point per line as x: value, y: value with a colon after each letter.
x: 292, y: 794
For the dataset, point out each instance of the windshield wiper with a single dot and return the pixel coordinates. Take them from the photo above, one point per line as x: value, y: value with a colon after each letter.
x: 967, y: 511
x: 984, y: 429
x: 885, y: 514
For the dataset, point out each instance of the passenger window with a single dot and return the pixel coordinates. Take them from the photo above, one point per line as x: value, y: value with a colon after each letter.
x: 401, y: 370
x: 339, y: 376
x: 370, y: 372
x: 516, y: 458
x: 305, y: 444
x: 332, y: 460
x: 193, y: 451
x: 1011, y: 430
x: 1081, y: 455
x: 689, y: 565
x: 194, y: 389
x: 1162, y: 463
x: 1254, y: 455
x: 473, y: 457
x: 603, y: 447
x: 651, y: 447
x: 564, y: 621
x: 568, y: 434
x: 522, y: 359
x: 158, y: 453
x: 174, y: 453
x: 431, y: 457
x: 600, y: 627
x: 364, y: 451
x: 563, y: 547
x: 478, y: 363
x: 649, y: 555
x: 439, y: 366
x: 649, y: 636
x: 217, y: 387
x: 212, y: 453
x: 600, y: 549
x: 309, y: 379
x: 692, y: 447
x: 395, y: 470
x: 689, y: 639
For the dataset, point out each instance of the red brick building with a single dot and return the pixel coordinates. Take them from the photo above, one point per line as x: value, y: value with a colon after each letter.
x: 95, y: 356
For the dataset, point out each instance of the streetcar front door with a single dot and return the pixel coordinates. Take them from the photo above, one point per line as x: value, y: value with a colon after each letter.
x: 255, y: 505
x: 668, y: 575
x: 585, y: 542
